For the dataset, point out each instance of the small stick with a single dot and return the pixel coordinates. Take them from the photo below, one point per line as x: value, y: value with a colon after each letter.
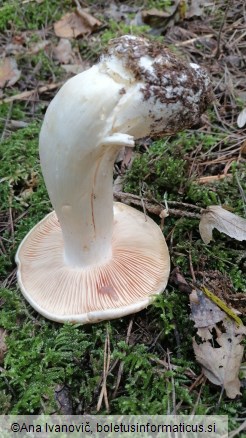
x: 121, y: 367
x: 198, y: 398
x: 192, y: 40
x: 191, y: 269
x: 151, y: 208
x: 211, y: 178
x: 200, y: 379
x: 6, y: 122
x: 217, y: 54
x: 172, y: 381
x: 106, y: 362
x: 26, y: 94
x: 11, y: 223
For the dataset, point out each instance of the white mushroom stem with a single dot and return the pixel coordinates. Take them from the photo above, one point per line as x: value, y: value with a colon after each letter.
x: 77, y: 151
x: 91, y: 118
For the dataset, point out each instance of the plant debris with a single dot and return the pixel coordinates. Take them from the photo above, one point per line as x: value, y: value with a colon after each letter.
x: 204, y: 312
x: 221, y: 360
x: 76, y: 24
x: 223, y: 220
x: 63, y: 52
x: 241, y: 120
x: 3, y: 346
x: 9, y: 72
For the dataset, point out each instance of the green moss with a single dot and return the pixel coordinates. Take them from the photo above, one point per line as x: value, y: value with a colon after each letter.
x: 156, y: 171
x: 22, y: 188
x: 31, y: 15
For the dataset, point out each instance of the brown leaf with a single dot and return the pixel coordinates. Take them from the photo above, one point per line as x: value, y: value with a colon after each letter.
x: 221, y: 365
x: 75, y: 24
x: 178, y: 280
x: 9, y: 73
x: 223, y: 220
x: 243, y: 148
x: 3, y: 346
x: 63, y: 52
x: 204, y: 312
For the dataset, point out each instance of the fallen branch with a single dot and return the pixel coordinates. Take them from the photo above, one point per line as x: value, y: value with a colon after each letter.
x: 193, y: 40
x: 26, y: 94
x: 211, y: 178
x: 157, y: 209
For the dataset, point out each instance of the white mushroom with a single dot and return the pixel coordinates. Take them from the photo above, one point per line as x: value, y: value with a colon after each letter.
x: 93, y: 259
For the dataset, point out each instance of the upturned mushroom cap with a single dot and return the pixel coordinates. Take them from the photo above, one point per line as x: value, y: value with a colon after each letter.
x: 138, y: 269
x: 91, y: 259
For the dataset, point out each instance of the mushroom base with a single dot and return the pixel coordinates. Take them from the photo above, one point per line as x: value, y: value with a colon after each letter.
x: 139, y: 269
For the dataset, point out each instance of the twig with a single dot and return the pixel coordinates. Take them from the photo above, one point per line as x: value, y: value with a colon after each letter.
x: 11, y: 223
x: 152, y: 208
x: 106, y: 362
x: 242, y: 193
x: 26, y: 94
x: 2, y: 249
x: 217, y: 54
x: 6, y: 122
x: 193, y: 40
x: 200, y: 379
x: 211, y: 178
x: 191, y: 265
x: 237, y: 431
x: 172, y: 381
x: 10, y: 279
x: 198, y: 398
x: 121, y: 367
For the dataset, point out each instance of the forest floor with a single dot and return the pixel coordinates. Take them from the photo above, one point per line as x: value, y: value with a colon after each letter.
x: 142, y: 363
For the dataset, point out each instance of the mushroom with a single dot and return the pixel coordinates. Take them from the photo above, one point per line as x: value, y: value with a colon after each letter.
x: 92, y: 259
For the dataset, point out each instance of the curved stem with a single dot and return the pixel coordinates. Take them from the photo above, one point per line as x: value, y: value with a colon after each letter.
x: 77, y: 152
x: 87, y: 221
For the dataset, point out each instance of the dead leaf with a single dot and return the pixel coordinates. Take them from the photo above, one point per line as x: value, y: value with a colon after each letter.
x: 203, y: 311
x: 63, y: 52
x: 223, y: 220
x: 177, y: 279
x: 64, y: 400
x: 243, y: 148
x: 76, y: 24
x: 3, y: 346
x: 195, y: 8
x: 241, y: 120
x: 221, y: 365
x: 9, y: 73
